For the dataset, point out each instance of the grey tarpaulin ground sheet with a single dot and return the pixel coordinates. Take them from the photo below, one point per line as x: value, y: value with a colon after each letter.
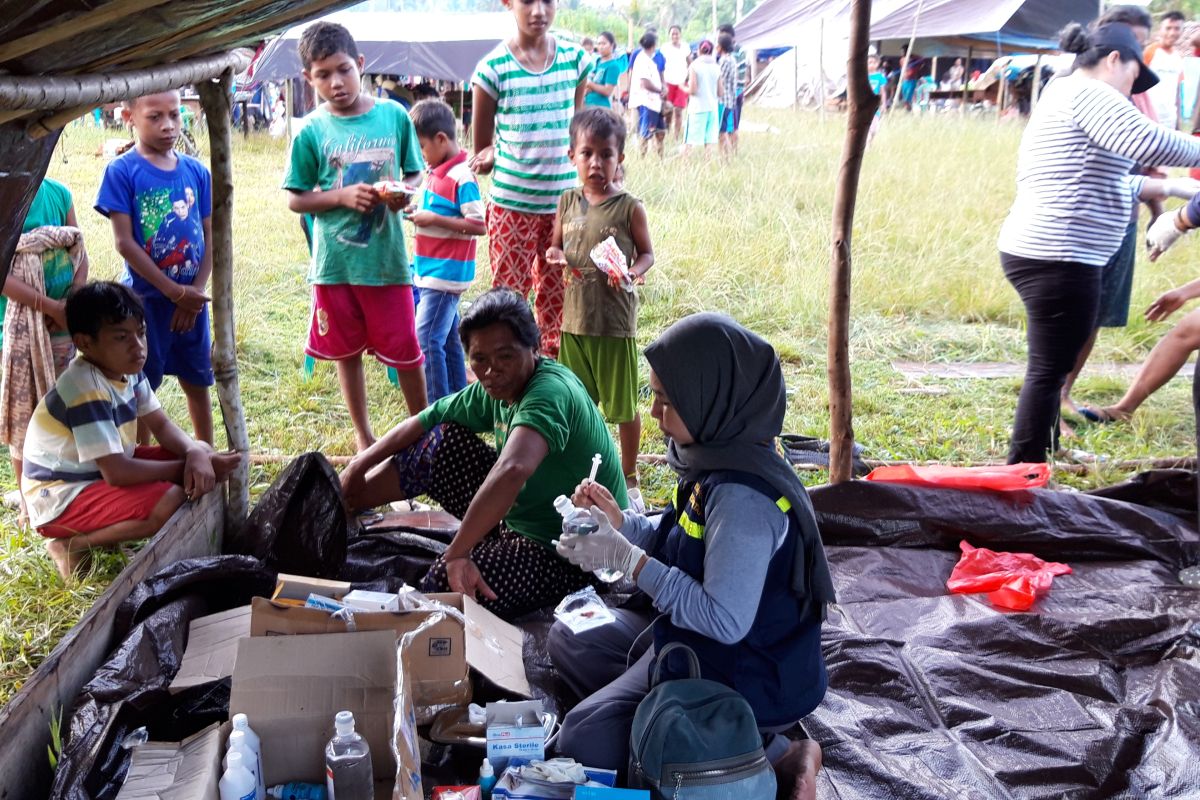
x: 1095, y: 693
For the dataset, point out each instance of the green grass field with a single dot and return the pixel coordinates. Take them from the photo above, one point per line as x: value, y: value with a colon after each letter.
x: 750, y: 239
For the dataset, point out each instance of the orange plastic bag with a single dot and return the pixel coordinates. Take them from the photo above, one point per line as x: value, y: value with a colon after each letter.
x: 1012, y: 580
x: 1000, y: 478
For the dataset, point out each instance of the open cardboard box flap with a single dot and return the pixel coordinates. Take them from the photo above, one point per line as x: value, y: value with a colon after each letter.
x: 187, y: 770
x: 211, y: 647
x: 291, y: 687
x: 440, y: 654
x: 494, y: 647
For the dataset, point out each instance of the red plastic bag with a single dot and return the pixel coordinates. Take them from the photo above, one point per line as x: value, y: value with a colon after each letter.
x: 1001, y: 478
x: 1012, y: 580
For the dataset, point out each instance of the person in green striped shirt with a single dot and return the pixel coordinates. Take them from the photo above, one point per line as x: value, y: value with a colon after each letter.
x: 525, y: 92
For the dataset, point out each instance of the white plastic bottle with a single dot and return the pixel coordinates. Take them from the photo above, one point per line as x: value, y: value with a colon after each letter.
x: 237, y: 783
x: 348, y: 771
x: 237, y: 744
x: 580, y: 521
x: 242, y: 724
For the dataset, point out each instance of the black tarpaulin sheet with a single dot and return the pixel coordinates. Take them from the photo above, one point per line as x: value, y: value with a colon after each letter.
x: 1094, y: 693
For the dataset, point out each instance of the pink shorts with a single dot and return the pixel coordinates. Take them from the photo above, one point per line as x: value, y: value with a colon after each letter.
x: 677, y: 96
x: 348, y: 321
x: 101, y: 505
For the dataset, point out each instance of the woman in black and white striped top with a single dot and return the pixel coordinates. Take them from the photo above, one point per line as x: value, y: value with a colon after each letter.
x: 1074, y: 198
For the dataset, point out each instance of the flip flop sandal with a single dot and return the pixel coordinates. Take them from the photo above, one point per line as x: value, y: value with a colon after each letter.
x: 1099, y: 416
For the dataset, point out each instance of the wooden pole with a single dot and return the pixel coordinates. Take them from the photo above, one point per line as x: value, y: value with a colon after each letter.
x: 79, y: 24
x: 214, y: 98
x: 966, y: 81
x: 1036, y: 89
x: 908, y: 55
x: 287, y: 102
x: 821, y: 70
x: 862, y: 105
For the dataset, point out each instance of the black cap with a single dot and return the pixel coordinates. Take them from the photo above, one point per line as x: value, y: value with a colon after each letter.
x: 1118, y: 36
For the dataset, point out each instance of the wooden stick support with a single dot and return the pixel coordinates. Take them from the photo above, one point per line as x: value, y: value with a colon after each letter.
x: 214, y: 99
x: 862, y: 105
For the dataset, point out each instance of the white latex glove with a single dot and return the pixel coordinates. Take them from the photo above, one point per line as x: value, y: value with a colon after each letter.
x: 1162, y: 234
x: 1183, y: 188
x: 604, y: 549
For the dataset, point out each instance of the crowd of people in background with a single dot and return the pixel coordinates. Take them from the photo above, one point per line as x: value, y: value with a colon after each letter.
x: 674, y: 94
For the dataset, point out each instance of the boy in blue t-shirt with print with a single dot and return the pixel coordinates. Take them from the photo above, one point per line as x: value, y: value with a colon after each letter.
x: 362, y: 284
x: 160, y: 204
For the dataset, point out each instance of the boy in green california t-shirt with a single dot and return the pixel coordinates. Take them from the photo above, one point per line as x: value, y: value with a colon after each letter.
x: 362, y: 285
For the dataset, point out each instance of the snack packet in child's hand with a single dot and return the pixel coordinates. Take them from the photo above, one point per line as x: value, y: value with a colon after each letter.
x: 612, y: 262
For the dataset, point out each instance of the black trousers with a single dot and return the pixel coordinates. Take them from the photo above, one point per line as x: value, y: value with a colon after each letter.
x: 1062, y: 299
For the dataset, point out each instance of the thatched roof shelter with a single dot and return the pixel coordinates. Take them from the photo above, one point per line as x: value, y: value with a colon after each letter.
x: 88, y: 44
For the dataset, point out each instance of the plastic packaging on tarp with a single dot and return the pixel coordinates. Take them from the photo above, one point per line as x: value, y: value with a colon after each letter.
x: 303, y: 508
x: 1006, y: 478
x: 1010, y: 580
x: 931, y: 695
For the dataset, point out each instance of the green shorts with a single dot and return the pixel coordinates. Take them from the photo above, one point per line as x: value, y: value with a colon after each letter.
x: 607, y: 365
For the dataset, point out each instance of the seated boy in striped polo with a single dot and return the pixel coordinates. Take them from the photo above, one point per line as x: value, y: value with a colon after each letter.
x: 86, y: 481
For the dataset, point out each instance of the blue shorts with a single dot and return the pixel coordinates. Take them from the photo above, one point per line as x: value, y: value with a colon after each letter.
x: 649, y: 122
x: 187, y: 356
x: 1116, y: 282
x: 726, y: 116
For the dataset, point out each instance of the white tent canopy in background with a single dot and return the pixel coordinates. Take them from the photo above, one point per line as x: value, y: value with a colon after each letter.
x: 429, y: 45
x: 942, y: 27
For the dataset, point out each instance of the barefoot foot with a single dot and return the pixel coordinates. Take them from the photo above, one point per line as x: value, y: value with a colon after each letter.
x: 67, y: 561
x: 796, y: 772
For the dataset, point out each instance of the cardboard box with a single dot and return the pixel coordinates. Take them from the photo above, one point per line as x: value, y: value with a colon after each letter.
x: 211, y: 647
x: 187, y: 770
x: 439, y: 656
x: 362, y: 600
x: 508, y: 739
x: 291, y: 687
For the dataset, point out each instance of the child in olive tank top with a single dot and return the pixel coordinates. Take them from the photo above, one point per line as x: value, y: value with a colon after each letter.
x: 600, y: 318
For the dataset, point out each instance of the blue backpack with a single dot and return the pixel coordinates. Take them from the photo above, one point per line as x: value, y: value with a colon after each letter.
x: 694, y: 739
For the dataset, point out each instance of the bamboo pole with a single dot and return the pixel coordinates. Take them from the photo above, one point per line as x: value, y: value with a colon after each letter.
x: 56, y: 92
x: 1036, y: 89
x: 214, y: 98
x: 908, y: 55
x: 966, y: 81
x: 60, y: 32
x: 192, y: 33
x: 862, y: 105
x: 821, y: 70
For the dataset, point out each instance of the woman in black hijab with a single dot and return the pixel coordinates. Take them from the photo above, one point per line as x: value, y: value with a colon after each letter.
x: 735, y: 569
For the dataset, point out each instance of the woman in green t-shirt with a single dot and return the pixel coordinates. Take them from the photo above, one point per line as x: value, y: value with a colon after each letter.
x: 547, y: 431
x: 602, y: 82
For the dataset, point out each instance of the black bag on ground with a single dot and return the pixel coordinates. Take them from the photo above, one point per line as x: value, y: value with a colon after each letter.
x: 695, y: 739
x: 299, y: 525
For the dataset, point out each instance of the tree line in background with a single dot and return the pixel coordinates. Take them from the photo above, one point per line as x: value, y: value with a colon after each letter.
x: 1190, y: 8
x: 695, y: 17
